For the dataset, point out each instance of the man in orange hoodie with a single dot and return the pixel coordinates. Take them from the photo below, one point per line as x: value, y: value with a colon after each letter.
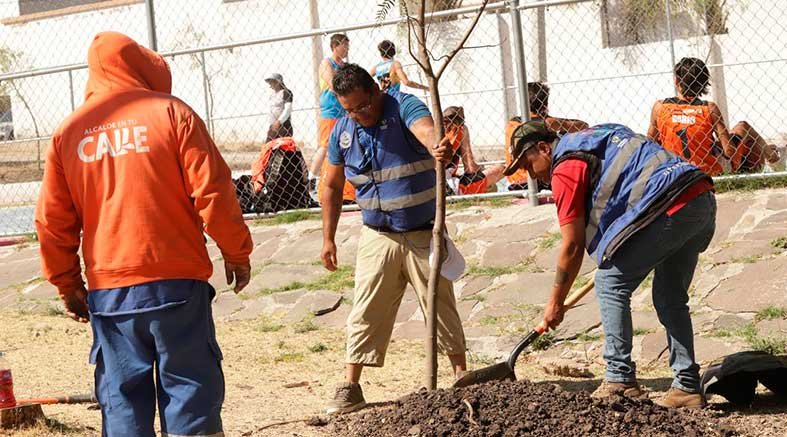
x: 135, y: 172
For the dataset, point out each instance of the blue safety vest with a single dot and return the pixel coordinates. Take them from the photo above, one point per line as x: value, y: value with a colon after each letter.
x: 393, y: 173
x: 633, y: 181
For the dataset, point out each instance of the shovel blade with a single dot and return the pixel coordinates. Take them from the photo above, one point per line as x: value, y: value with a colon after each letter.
x: 496, y: 372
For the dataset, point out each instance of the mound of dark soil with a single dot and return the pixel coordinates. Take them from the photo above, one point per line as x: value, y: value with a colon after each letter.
x: 522, y: 408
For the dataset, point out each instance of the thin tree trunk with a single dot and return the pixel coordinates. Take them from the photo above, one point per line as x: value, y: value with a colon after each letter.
x: 33, y: 118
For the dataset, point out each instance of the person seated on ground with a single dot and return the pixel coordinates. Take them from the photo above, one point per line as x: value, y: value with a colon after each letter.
x: 538, y: 94
x: 695, y: 130
x: 475, y: 179
x: 389, y: 72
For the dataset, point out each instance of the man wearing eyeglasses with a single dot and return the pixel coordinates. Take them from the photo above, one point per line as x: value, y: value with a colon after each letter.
x: 379, y: 148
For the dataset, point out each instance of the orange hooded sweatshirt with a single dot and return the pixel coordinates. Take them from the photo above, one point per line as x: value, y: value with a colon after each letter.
x: 136, y: 172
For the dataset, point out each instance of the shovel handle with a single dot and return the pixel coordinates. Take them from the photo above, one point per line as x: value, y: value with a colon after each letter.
x: 570, y: 301
x: 576, y: 296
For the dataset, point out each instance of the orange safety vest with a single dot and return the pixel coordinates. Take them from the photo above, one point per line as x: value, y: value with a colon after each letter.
x: 520, y: 177
x: 455, y: 135
x: 686, y: 129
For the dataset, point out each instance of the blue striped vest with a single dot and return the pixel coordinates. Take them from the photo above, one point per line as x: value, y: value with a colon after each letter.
x: 393, y: 173
x: 633, y: 181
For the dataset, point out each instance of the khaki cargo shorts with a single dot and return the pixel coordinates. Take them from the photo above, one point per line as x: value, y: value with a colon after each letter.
x: 385, y: 264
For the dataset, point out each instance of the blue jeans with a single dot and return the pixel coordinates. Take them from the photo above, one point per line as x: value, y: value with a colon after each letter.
x: 671, y: 245
x: 173, y: 341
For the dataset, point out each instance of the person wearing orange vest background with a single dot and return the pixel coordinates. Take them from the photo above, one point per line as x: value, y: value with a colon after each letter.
x: 474, y: 179
x: 330, y: 112
x: 134, y: 176
x: 695, y: 130
x: 538, y: 96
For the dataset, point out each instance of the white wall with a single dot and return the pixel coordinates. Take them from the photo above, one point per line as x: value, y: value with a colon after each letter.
x: 581, y: 72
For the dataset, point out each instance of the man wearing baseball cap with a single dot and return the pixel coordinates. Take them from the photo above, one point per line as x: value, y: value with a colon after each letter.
x: 636, y: 208
x: 280, y: 108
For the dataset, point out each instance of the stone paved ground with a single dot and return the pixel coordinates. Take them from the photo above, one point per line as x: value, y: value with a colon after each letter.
x: 738, y: 298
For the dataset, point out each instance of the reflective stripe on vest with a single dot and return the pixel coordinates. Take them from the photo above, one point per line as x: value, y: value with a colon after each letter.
x: 400, y: 202
x: 391, y: 173
x: 628, y: 147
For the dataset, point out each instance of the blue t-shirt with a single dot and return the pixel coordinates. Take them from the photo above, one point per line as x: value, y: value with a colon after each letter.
x: 411, y: 108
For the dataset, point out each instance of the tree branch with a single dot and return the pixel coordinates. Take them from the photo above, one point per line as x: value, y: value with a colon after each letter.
x: 409, y: 36
x: 421, y: 38
x: 463, y: 41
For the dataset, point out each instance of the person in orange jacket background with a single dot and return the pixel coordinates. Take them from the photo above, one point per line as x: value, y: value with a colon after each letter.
x: 135, y: 171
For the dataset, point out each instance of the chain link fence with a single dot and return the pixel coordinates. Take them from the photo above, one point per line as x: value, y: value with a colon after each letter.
x: 597, y: 61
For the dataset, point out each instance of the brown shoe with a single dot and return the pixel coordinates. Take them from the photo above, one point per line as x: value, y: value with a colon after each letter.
x: 677, y: 398
x: 348, y: 398
x: 628, y: 389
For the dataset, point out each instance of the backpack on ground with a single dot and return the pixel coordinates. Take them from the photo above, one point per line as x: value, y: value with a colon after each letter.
x: 735, y: 376
x: 278, y: 180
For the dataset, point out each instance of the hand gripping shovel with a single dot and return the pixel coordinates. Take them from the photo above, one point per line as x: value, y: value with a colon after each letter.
x: 505, y: 370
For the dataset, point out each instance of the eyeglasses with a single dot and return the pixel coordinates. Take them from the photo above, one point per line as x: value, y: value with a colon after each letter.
x: 361, y: 109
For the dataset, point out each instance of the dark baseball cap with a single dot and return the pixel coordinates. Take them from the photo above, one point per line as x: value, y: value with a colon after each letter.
x: 525, y: 136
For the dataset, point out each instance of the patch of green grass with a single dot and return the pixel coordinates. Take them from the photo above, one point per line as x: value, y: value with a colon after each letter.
x: 461, y: 238
x: 286, y: 217
x: 543, y: 342
x: 318, y: 348
x: 489, y: 321
x: 347, y: 301
x: 771, y: 345
x: 493, y: 271
x: 750, y: 184
x: 550, y: 240
x: 780, y: 243
x: 304, y: 326
x: 751, y: 259
x: 338, y: 280
x: 264, y: 324
x: 289, y: 357
x: 258, y: 268
x: 478, y: 297
x: 495, y: 202
x: 771, y: 313
x: 479, y: 360
x: 585, y: 337
x: 748, y: 332
x: 287, y: 287
x: 642, y: 331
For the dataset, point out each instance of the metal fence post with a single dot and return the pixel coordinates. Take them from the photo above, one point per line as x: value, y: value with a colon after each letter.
x: 668, y: 11
x: 151, y: 16
x: 521, y: 75
x: 206, y: 94
x: 71, y: 89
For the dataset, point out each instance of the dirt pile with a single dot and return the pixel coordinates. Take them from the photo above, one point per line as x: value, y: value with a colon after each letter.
x: 523, y: 408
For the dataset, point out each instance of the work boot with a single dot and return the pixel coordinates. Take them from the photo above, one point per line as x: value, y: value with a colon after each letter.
x: 348, y: 398
x: 677, y: 398
x: 627, y: 389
